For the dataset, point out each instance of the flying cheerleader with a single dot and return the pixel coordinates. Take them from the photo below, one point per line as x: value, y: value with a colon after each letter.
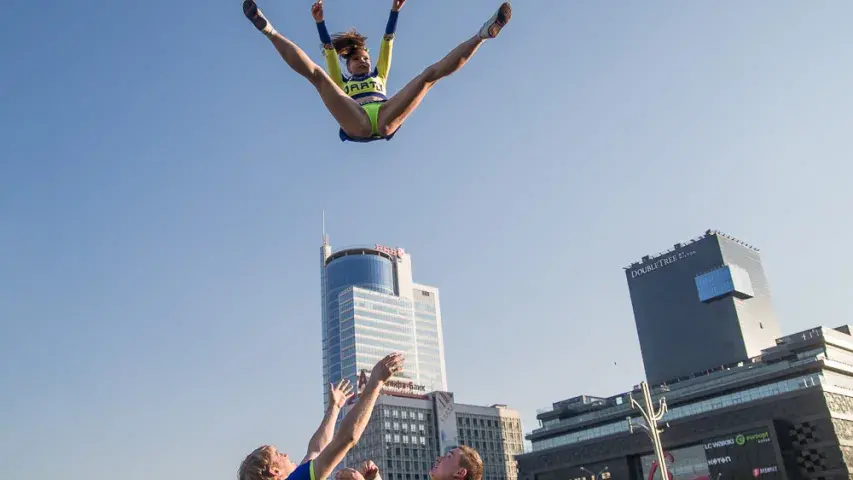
x: 358, y: 101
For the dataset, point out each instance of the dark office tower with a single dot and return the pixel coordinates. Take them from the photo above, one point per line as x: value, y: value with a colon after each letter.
x: 701, y: 306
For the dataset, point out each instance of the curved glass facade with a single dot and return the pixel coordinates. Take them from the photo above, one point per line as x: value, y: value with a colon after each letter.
x: 366, y: 271
x: 371, y: 272
x: 371, y: 307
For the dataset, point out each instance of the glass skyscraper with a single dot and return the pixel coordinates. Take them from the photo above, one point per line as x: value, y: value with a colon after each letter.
x: 370, y: 308
x: 706, y: 303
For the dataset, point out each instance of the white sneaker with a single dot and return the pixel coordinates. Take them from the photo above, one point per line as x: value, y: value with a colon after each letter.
x: 499, y: 20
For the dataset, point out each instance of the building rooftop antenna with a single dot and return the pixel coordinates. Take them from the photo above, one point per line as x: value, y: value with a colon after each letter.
x: 325, y: 237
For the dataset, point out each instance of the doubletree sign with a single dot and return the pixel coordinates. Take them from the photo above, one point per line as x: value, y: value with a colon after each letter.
x: 391, y: 387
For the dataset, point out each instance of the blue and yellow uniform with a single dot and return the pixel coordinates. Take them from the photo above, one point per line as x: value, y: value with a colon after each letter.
x: 368, y: 90
x: 303, y: 472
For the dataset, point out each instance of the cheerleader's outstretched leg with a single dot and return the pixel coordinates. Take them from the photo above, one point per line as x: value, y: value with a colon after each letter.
x: 406, y: 101
x: 348, y: 113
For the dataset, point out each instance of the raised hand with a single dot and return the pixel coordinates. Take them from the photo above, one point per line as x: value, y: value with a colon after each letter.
x: 348, y: 474
x: 317, y: 11
x: 387, y: 368
x: 397, y: 5
x: 368, y: 470
x: 340, y: 393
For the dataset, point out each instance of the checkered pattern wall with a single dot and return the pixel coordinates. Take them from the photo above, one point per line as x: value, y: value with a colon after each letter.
x: 804, y: 434
x: 809, y: 460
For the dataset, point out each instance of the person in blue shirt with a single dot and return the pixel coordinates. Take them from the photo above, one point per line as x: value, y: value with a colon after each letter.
x: 359, y: 101
x: 325, y: 451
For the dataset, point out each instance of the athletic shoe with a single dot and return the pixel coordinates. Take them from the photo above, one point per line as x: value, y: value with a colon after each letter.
x: 254, y: 14
x: 499, y: 20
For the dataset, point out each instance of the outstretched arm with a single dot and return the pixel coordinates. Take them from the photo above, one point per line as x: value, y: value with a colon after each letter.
x: 332, y: 65
x: 383, y: 65
x: 338, y: 396
x: 355, y: 421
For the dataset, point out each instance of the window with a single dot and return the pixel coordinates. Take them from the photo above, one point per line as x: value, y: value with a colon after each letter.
x: 395, y: 413
x: 682, y: 411
x: 421, y: 416
x: 723, y: 281
x: 404, y: 415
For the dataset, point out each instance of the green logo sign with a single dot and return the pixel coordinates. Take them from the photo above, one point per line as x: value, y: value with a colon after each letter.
x: 740, y: 440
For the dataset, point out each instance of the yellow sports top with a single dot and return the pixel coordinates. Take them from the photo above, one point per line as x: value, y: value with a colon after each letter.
x: 360, y: 86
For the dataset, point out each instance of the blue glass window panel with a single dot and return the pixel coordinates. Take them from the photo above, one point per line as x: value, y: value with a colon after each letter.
x: 728, y: 279
x: 371, y: 272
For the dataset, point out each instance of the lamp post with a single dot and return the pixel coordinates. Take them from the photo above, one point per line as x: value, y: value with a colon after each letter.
x: 599, y: 475
x: 651, y: 427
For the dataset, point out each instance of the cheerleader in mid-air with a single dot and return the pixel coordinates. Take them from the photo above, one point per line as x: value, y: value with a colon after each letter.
x: 358, y: 101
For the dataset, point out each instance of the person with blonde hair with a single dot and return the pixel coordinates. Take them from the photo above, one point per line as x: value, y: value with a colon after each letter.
x: 460, y: 463
x: 324, y: 455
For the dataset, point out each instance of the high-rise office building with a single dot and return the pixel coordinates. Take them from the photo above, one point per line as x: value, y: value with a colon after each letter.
x: 406, y: 434
x: 372, y: 307
x: 702, y: 305
x: 784, y: 413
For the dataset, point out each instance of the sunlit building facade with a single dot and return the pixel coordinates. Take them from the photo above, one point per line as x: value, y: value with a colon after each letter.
x: 370, y: 308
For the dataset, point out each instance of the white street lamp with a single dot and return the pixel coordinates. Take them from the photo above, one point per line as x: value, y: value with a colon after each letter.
x: 651, y: 427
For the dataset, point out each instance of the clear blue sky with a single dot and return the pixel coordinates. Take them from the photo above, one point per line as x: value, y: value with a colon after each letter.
x: 163, y: 176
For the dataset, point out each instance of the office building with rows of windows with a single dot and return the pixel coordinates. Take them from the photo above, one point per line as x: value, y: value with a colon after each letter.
x: 371, y: 307
x: 787, y: 414
x: 406, y: 435
x: 740, y: 406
